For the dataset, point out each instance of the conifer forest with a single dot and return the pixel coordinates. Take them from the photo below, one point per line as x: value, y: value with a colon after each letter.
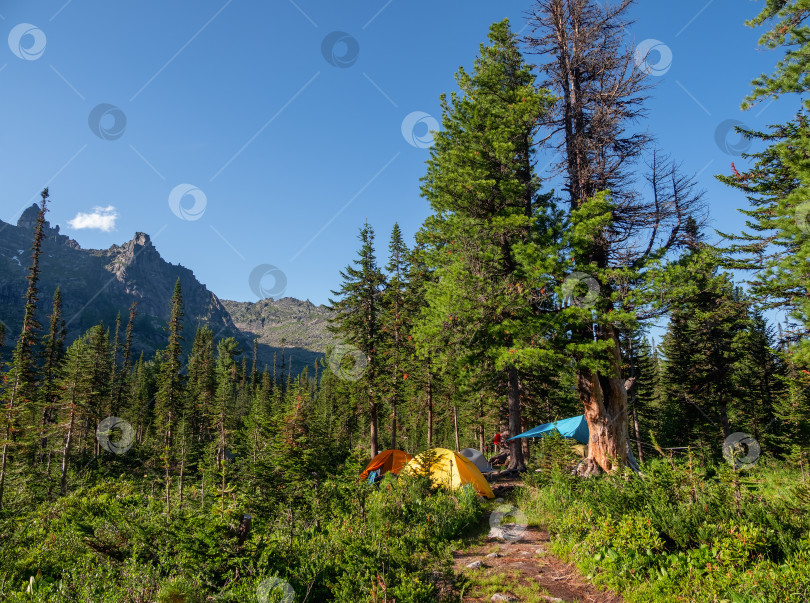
x: 151, y: 453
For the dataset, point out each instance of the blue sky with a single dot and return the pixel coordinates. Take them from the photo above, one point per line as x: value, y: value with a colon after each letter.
x: 283, y: 154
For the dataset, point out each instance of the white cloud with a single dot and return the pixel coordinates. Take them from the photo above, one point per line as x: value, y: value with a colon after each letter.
x: 101, y: 218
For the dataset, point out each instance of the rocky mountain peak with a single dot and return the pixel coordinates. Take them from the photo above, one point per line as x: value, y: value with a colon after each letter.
x: 140, y: 247
x: 98, y: 284
x: 142, y: 239
x: 28, y: 221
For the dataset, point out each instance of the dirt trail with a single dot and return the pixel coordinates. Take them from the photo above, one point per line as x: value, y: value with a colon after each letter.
x: 524, y: 571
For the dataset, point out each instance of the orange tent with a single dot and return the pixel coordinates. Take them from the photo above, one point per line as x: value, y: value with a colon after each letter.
x: 387, y: 460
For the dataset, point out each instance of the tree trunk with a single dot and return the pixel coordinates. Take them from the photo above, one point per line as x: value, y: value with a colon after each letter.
x: 222, y: 490
x: 455, y: 425
x: 221, y: 454
x: 724, y: 422
x: 638, y: 436
x: 634, y: 396
x: 515, y: 446
x: 182, y: 465
x: 429, y: 415
x: 373, y: 418
x: 168, y: 486
x: 166, y: 462
x: 524, y: 426
x: 605, y: 400
x: 8, y: 434
x: 68, y: 439
x: 394, y: 423
x: 373, y: 429
x: 394, y: 400
x: 481, y: 434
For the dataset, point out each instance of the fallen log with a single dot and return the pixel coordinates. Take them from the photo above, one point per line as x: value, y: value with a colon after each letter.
x: 504, y: 473
x: 499, y: 459
x: 501, y: 490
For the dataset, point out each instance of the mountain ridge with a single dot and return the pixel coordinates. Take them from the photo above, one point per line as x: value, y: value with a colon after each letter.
x: 283, y: 321
x: 97, y: 284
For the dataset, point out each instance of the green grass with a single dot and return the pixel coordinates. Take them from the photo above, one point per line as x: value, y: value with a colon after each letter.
x: 482, y: 585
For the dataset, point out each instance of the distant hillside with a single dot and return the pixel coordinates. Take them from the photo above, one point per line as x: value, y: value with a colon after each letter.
x: 298, y: 323
x: 97, y: 284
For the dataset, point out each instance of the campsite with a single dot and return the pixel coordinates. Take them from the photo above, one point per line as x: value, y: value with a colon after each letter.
x: 405, y: 302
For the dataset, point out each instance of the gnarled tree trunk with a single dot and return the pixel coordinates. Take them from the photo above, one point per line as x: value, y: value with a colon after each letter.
x: 604, y: 398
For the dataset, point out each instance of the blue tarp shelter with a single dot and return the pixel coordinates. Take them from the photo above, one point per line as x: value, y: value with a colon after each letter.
x: 575, y: 427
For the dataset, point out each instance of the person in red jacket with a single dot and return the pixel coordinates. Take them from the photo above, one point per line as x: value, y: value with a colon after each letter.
x: 497, y: 443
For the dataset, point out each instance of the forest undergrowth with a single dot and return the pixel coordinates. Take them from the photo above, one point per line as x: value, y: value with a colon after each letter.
x: 682, y: 531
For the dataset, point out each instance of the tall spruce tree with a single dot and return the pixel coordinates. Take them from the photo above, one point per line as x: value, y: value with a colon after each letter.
x: 97, y: 398
x: 170, y: 394
x: 776, y: 243
x: 141, y: 394
x: 115, y: 372
x: 22, y: 375
x: 223, y: 417
x: 788, y: 29
x: 760, y: 375
x: 702, y: 349
x: 641, y: 370
x: 792, y: 410
x: 395, y: 325
x: 121, y: 387
x: 356, y: 321
x: 53, y: 352
x: 202, y: 383
x: 76, y: 388
x: 424, y: 378
x: 481, y: 185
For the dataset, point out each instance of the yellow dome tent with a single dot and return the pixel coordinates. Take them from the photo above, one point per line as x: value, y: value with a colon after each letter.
x: 450, y: 469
